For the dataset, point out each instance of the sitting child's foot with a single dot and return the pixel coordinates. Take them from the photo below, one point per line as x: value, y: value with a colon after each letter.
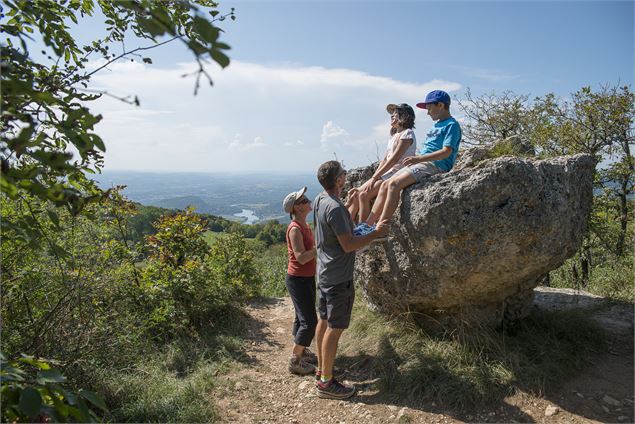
x: 363, y: 228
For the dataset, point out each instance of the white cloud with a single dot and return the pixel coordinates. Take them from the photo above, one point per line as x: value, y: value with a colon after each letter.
x: 237, y: 144
x: 491, y: 75
x: 251, y: 106
x: 333, y: 136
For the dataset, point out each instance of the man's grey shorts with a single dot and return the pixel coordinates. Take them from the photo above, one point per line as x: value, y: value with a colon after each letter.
x: 420, y: 171
x: 335, y: 304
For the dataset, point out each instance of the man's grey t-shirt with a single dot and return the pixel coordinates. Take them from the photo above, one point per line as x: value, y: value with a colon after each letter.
x: 334, y: 266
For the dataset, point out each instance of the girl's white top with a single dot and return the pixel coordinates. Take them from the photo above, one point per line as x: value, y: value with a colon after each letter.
x: 406, y: 134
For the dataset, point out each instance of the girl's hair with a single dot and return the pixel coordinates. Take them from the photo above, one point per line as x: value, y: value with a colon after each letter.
x: 405, y: 120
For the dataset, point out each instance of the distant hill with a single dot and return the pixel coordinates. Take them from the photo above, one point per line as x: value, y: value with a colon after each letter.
x: 183, y: 202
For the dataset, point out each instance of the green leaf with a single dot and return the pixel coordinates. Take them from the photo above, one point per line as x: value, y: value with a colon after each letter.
x: 50, y: 376
x: 97, y: 141
x: 220, y: 57
x: 151, y: 26
x: 67, y: 55
x: 221, y: 46
x: 205, y: 29
x: 60, y: 406
x: 35, y: 362
x: 94, y: 399
x: 83, y: 410
x: 30, y: 401
x: 54, y: 218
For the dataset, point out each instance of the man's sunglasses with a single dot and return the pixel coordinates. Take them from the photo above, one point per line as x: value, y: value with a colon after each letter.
x: 302, y: 201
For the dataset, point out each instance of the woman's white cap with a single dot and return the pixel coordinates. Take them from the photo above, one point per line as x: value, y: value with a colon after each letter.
x: 288, y: 202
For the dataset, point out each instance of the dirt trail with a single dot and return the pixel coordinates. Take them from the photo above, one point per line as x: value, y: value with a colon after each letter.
x: 262, y: 391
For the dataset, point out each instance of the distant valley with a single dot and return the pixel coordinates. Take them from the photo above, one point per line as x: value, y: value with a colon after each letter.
x: 246, y: 197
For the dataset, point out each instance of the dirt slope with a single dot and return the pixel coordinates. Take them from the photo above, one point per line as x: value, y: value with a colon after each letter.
x: 262, y: 391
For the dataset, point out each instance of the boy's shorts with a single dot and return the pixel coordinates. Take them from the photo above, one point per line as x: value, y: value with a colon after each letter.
x: 420, y: 171
x: 388, y: 175
x: 335, y: 304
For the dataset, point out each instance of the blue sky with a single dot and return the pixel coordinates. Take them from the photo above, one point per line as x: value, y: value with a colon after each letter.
x: 310, y: 80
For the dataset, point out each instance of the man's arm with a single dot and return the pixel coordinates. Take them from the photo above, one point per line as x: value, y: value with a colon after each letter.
x: 297, y: 244
x: 350, y: 242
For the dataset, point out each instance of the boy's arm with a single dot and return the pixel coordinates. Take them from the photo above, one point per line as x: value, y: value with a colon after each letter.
x: 429, y: 157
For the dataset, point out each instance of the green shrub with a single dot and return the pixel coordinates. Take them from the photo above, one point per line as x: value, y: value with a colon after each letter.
x: 33, y: 391
x: 272, y: 266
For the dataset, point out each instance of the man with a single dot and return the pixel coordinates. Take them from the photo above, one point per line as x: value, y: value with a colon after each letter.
x: 336, y: 246
x: 437, y: 155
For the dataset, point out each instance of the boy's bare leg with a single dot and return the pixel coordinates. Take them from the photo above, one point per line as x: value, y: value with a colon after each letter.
x: 393, y: 193
x: 365, y: 199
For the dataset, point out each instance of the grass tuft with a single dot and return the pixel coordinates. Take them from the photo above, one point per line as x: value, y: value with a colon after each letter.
x: 175, y: 383
x: 468, y: 367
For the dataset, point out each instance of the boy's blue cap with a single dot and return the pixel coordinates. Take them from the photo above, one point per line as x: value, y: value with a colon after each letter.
x: 436, y: 96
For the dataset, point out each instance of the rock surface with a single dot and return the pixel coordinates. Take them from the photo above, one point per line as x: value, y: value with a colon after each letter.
x: 473, y: 243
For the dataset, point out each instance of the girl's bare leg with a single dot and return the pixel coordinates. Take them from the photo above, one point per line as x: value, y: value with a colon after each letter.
x: 378, y: 206
x: 365, y: 199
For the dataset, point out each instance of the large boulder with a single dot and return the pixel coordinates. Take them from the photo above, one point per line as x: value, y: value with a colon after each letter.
x: 470, y: 245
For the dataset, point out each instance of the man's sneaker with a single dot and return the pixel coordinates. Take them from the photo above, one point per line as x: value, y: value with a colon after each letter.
x: 333, y: 389
x: 300, y: 366
x: 338, y: 374
x: 309, y: 357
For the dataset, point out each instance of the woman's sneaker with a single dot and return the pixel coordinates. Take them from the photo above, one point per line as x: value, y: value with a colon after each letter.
x: 309, y: 356
x: 333, y: 389
x: 300, y: 366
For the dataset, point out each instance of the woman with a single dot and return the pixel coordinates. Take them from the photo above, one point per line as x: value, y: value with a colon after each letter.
x: 401, y: 145
x: 301, y: 281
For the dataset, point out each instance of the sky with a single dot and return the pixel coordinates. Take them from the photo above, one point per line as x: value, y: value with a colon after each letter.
x: 309, y: 80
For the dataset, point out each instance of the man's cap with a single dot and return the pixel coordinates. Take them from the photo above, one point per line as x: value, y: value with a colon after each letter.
x: 436, y: 96
x: 391, y: 108
x: 291, y: 198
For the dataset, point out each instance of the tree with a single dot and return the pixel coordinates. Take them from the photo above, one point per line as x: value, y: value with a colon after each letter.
x: 599, y: 123
x: 493, y: 117
x: 44, y: 102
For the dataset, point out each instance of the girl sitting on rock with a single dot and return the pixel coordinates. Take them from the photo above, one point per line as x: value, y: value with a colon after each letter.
x: 401, y: 145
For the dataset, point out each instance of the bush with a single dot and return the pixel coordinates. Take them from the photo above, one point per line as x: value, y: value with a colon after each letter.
x: 37, y: 394
x: 272, y: 266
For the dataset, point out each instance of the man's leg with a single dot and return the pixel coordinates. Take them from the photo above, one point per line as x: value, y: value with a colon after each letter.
x: 365, y: 199
x: 393, y: 193
x: 319, y: 340
x: 329, y: 349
